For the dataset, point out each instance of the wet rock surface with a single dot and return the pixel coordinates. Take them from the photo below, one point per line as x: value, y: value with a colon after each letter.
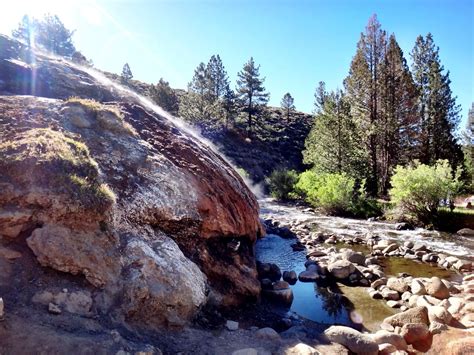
x: 115, y: 200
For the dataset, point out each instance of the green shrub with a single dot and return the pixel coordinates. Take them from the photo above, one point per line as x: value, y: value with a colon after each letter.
x: 418, y: 189
x: 243, y: 173
x: 281, y: 183
x: 331, y: 192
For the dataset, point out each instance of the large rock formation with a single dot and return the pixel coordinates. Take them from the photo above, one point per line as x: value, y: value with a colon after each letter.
x: 154, y: 219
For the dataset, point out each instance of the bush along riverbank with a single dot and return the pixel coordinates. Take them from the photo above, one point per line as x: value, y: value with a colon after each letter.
x: 434, y: 304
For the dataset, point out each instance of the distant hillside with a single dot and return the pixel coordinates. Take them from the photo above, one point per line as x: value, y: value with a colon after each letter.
x: 276, y: 142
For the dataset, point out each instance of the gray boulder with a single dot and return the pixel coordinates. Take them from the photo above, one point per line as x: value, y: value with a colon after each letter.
x: 352, y: 339
x: 437, y: 288
x: 341, y: 269
x: 413, y: 315
x: 354, y: 257
x: 397, y: 284
x: 384, y: 336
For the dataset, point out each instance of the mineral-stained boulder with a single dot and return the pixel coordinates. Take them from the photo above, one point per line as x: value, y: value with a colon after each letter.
x: 418, y: 335
x: 280, y: 292
x: 92, y: 254
x: 311, y: 274
x: 268, y: 271
x: 290, y: 277
x: 97, y: 188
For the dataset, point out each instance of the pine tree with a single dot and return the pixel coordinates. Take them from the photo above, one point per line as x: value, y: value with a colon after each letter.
x: 198, y: 97
x: 320, y: 96
x: 49, y: 33
x: 333, y: 144
x: 25, y: 30
x: 438, y: 113
x: 468, y: 150
x: 165, y: 96
x: 397, y: 130
x: 200, y: 82
x: 364, y: 85
x: 229, y: 105
x: 251, y: 92
x: 287, y: 103
x: 199, y: 106
x: 126, y: 75
x: 217, y: 77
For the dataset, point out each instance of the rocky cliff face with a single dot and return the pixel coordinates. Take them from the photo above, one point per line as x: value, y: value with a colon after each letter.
x: 110, y: 190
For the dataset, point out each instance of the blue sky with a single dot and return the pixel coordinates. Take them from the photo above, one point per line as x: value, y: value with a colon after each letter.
x: 297, y: 43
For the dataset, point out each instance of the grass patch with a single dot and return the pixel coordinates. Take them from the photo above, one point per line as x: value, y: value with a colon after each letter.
x: 108, y: 117
x: 90, y: 104
x: 49, y: 159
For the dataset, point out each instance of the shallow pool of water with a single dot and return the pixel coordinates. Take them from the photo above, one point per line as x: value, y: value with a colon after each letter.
x: 394, y: 266
x: 334, y: 304
x: 337, y: 303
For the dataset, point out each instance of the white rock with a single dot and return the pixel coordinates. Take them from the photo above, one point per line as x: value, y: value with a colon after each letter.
x: 384, y: 337
x: 417, y: 288
x: 390, y: 294
x: 54, y: 309
x: 298, y: 349
x: 439, y: 314
x: 246, y: 351
x: 386, y: 349
x: 352, y: 339
x: 455, y: 304
x: 231, y: 325
x: 267, y: 333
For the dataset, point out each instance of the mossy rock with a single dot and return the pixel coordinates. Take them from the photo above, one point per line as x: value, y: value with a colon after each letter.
x: 47, y: 159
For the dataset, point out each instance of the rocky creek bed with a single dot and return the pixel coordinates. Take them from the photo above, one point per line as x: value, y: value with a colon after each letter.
x: 370, y: 282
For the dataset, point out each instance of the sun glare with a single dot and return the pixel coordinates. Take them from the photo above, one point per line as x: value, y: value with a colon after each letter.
x: 69, y: 11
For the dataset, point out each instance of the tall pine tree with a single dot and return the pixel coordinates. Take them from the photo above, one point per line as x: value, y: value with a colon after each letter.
x: 438, y: 113
x: 397, y: 130
x: 126, y: 75
x: 218, y: 80
x: 199, y: 106
x: 364, y: 88
x: 288, y: 104
x: 165, y: 96
x: 251, y: 92
x: 48, y: 33
x: 333, y: 144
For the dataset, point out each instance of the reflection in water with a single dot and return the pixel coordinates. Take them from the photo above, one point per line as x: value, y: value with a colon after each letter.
x: 333, y: 303
x: 320, y: 303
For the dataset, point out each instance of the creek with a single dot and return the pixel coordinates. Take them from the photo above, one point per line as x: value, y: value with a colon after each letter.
x: 335, y: 303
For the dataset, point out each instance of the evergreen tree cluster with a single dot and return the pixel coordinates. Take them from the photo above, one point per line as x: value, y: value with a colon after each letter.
x: 386, y: 115
x: 210, y: 102
x: 48, y: 33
